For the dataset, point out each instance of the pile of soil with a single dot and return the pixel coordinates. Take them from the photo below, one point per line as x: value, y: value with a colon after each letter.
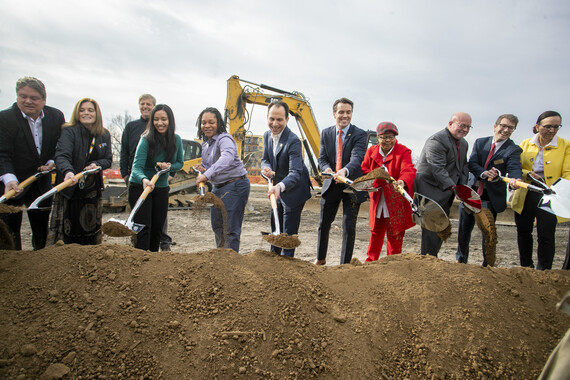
x: 112, y: 312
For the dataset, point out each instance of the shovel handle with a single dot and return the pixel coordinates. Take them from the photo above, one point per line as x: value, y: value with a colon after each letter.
x: 517, y: 182
x: 68, y: 182
x: 148, y: 189
x: 202, y: 189
x: 343, y: 179
x: 27, y: 182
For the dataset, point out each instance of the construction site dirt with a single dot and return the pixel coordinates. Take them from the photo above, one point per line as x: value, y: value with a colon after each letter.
x: 112, y: 311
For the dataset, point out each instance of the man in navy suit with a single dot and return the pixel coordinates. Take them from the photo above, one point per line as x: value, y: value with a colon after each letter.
x: 488, y: 155
x: 282, y: 161
x: 29, y: 131
x: 351, y: 153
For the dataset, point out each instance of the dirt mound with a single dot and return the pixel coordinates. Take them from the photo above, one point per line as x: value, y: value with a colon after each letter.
x: 113, y: 312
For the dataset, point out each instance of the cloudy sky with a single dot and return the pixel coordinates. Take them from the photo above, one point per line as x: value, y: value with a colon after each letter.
x: 411, y: 62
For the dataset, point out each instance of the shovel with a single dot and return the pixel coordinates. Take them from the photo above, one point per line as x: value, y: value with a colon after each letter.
x: 541, y: 188
x: 28, y: 181
x: 62, y: 186
x: 426, y: 212
x: 276, y: 238
x: 469, y: 198
x: 365, y: 185
x: 557, y: 201
x: 117, y: 228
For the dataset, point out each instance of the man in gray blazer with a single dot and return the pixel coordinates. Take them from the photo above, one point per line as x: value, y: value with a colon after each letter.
x: 443, y: 166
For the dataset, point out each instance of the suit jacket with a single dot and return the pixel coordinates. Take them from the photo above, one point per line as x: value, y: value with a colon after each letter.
x: 353, y: 150
x: 400, y: 166
x: 72, y: 155
x: 288, y: 166
x: 440, y: 167
x: 18, y: 153
x: 506, y: 159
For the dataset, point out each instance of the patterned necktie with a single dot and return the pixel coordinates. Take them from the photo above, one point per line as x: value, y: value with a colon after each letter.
x: 339, y: 152
x: 491, y: 152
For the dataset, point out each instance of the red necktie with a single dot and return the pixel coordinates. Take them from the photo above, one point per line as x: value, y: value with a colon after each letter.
x: 481, y: 181
x: 339, y: 152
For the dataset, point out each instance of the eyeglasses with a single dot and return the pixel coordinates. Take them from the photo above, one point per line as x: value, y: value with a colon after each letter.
x: 463, y: 126
x: 386, y: 137
x: 509, y: 127
x: 553, y: 127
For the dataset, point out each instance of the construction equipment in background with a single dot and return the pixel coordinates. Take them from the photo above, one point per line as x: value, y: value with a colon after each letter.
x: 237, y: 117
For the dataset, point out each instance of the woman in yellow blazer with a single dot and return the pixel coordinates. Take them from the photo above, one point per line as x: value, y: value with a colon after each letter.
x: 545, y: 157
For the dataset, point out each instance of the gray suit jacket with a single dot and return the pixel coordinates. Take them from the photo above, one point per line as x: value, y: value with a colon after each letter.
x: 440, y: 167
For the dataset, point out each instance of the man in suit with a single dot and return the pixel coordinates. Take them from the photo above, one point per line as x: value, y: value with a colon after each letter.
x: 282, y: 161
x: 443, y: 166
x: 29, y: 131
x: 488, y: 155
x: 342, y: 150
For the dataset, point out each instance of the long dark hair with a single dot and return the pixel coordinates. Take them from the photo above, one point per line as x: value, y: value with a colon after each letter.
x: 220, y: 121
x: 155, y: 139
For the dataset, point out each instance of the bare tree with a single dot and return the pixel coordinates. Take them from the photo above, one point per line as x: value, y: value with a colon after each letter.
x: 116, y: 126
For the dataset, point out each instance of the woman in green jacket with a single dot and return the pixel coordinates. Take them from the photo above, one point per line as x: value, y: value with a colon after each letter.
x: 161, y: 148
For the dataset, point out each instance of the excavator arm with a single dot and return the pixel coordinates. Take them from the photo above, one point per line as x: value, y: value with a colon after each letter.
x: 239, y: 96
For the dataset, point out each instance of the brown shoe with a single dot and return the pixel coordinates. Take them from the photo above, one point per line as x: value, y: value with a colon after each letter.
x: 320, y: 262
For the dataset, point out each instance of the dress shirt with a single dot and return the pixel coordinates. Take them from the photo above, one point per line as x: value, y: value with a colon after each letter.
x: 382, y: 208
x: 538, y: 164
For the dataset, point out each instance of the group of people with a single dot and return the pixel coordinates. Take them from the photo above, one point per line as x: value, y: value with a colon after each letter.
x: 36, y: 138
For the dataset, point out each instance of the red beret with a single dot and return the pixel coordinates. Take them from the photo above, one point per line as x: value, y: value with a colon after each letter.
x: 386, y: 127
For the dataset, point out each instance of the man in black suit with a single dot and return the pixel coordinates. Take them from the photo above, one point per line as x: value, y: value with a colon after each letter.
x: 29, y: 131
x: 282, y: 160
x: 443, y: 166
x: 348, y: 143
x: 488, y: 155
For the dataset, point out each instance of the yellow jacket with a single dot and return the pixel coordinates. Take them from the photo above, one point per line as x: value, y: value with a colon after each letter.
x: 556, y: 165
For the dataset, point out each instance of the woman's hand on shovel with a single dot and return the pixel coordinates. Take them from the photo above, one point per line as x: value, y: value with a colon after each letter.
x: 163, y: 165
x: 146, y: 182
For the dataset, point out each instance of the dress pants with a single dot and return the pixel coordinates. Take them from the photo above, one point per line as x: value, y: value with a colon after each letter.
x: 329, y: 208
x: 151, y: 215
x: 381, y: 228
x: 466, y: 224
x: 39, y: 219
x: 546, y: 230
x: 431, y: 242
x: 234, y: 195
x: 289, y: 220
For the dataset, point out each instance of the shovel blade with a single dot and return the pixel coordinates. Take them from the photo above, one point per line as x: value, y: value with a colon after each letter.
x: 469, y: 197
x: 429, y: 214
x: 558, y: 203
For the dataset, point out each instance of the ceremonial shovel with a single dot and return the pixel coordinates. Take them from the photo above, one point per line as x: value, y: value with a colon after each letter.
x: 136, y: 227
x: 276, y: 238
x: 62, y: 186
x: 28, y: 181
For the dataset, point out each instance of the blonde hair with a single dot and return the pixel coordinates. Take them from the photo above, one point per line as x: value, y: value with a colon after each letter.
x: 97, y: 128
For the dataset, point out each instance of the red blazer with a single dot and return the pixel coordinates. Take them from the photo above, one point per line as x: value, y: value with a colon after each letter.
x: 400, y: 166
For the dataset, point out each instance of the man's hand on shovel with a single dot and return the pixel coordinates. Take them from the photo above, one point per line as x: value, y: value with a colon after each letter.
x: 271, y: 190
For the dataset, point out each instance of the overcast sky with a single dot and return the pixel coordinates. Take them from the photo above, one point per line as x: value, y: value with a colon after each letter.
x: 410, y: 62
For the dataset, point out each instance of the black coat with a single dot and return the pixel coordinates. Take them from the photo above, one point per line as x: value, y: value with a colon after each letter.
x: 72, y: 154
x: 18, y: 153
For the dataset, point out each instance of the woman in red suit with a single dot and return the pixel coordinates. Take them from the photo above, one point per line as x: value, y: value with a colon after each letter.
x: 390, y: 213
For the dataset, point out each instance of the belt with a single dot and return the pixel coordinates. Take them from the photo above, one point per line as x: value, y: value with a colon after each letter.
x: 230, y: 181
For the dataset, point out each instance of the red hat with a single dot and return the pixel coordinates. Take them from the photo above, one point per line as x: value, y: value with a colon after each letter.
x: 386, y: 127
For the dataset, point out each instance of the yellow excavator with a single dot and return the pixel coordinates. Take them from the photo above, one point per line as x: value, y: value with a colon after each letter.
x: 240, y: 94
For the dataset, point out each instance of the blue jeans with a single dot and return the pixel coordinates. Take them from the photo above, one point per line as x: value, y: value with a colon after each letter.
x: 234, y: 196
x: 466, y: 224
